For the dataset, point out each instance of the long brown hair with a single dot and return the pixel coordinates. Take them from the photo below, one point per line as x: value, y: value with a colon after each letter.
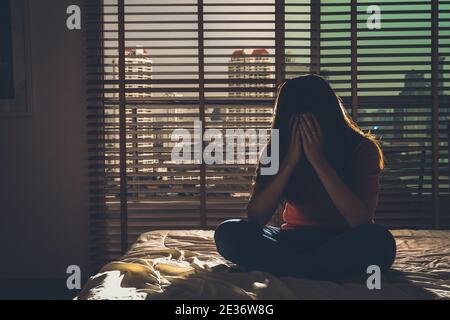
x: 311, y: 93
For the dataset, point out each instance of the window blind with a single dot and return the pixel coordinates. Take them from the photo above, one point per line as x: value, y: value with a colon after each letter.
x: 394, y: 71
x: 386, y: 78
x: 442, y: 98
x: 157, y: 66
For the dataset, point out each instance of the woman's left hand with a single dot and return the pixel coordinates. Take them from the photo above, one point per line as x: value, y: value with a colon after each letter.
x: 312, y: 138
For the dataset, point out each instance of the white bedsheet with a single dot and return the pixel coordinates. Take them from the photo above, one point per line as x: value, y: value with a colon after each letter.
x: 185, y: 265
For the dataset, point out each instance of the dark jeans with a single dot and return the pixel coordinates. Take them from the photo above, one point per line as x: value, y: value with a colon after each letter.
x: 307, y: 252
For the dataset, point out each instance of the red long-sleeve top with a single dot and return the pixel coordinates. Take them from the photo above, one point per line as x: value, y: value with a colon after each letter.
x: 365, y: 172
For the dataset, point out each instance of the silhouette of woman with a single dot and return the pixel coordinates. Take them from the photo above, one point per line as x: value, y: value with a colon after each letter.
x: 328, y: 185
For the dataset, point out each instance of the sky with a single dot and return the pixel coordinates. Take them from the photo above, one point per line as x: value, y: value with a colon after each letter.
x: 151, y: 25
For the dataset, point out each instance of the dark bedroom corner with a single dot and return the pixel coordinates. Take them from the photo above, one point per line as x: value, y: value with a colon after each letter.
x: 224, y: 151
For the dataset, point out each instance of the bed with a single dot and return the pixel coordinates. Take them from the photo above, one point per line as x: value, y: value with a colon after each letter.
x: 182, y: 264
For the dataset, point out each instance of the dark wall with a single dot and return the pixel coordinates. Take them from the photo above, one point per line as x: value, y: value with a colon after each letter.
x: 43, y: 157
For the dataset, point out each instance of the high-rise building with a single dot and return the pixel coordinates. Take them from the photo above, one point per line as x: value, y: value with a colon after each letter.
x: 138, y: 66
x: 292, y: 67
x: 441, y: 76
x: 415, y: 84
x: 245, y: 67
x: 250, y: 65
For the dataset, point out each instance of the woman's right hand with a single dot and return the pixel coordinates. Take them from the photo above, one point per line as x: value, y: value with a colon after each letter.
x: 295, y: 144
x: 266, y: 197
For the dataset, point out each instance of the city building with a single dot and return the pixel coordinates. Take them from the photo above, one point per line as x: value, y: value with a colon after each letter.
x: 245, y: 68
x: 138, y: 66
x: 294, y: 68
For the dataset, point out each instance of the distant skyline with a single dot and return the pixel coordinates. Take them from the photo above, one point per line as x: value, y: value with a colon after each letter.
x: 219, y: 46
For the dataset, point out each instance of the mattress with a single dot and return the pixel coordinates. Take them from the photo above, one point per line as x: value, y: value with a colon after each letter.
x: 182, y: 264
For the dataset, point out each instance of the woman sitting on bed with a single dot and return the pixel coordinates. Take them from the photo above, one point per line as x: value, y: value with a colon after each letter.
x: 328, y: 185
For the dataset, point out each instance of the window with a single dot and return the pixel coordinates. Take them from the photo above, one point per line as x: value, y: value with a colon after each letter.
x: 15, y: 55
x: 155, y: 66
x: 6, y: 72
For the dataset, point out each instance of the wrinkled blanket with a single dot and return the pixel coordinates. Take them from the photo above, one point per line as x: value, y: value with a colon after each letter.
x: 181, y: 264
